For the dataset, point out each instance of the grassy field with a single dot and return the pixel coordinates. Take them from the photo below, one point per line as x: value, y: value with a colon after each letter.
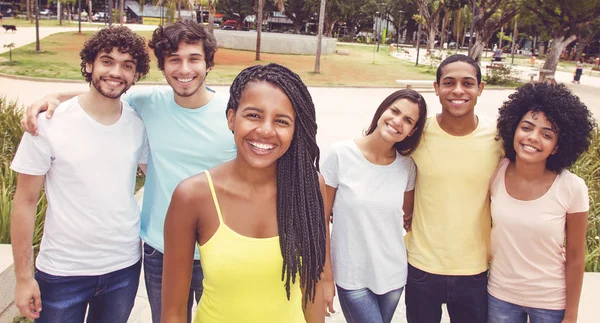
x: 363, y: 66
x: 43, y: 23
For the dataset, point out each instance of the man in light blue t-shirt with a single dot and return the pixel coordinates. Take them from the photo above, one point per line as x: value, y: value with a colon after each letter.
x: 187, y: 133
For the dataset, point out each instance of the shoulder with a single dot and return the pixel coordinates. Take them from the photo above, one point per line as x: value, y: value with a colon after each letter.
x: 487, y: 124
x: 573, y: 182
x: 192, y: 191
x: 144, y: 96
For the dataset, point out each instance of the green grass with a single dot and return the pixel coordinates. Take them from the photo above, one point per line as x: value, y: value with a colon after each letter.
x: 363, y: 66
x: 43, y: 23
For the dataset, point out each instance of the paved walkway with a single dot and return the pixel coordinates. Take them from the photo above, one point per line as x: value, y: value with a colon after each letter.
x: 342, y: 113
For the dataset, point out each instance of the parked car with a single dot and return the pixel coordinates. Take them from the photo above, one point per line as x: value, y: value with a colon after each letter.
x: 46, y: 12
x: 452, y: 44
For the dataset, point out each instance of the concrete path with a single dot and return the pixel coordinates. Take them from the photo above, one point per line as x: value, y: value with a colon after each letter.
x: 342, y: 113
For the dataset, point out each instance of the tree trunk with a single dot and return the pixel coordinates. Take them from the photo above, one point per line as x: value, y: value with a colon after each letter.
x: 259, y: 18
x: 33, y: 10
x: 211, y: 16
x: 581, y: 45
x: 59, y: 12
x: 320, y: 37
x: 477, y: 49
x: 90, y: 11
x: 110, y: 13
x: 69, y: 12
x: 121, y: 10
x: 431, y: 38
x: 445, y: 26
x: 179, y: 10
x: 558, y: 44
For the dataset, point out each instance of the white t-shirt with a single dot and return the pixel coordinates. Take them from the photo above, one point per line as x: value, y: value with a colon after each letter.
x: 528, y: 265
x: 93, y: 221
x: 367, y: 245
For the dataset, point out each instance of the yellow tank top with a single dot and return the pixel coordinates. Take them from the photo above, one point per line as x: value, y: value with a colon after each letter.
x: 242, y: 279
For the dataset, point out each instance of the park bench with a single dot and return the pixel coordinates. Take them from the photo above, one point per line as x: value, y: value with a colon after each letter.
x: 410, y: 83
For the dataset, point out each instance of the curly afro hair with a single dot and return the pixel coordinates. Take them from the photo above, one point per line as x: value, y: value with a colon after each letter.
x: 166, y: 40
x: 567, y: 114
x: 116, y: 37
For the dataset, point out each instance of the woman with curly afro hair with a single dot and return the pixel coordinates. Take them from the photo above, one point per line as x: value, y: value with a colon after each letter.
x: 537, y: 205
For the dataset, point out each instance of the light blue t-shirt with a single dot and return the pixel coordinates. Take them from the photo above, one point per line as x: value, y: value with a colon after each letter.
x: 183, y: 142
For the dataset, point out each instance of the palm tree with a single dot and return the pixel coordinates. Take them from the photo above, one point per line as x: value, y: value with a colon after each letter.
x: 259, y: 20
x: 212, y: 9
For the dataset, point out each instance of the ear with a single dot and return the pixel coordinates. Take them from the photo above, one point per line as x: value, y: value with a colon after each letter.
x: 555, y: 150
x: 89, y: 67
x: 231, y: 119
x: 412, y: 131
x: 436, y: 87
x: 481, y: 86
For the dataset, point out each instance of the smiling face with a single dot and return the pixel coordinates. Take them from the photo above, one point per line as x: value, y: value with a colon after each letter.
x: 263, y: 124
x: 185, y: 70
x: 535, y: 138
x: 112, y: 73
x: 398, y: 121
x: 458, y: 89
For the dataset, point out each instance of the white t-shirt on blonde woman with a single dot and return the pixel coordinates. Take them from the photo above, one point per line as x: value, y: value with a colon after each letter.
x: 367, y: 245
x: 528, y: 265
x: 93, y: 221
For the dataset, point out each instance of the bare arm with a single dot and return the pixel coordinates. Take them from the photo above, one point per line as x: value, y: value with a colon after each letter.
x: 408, y: 208
x: 180, y: 240
x: 27, y: 292
x: 47, y: 103
x: 328, y: 280
x: 576, y: 233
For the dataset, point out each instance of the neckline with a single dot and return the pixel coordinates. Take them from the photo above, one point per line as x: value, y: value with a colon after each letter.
x: 526, y: 201
x: 472, y: 133
x: 368, y: 162
x: 93, y: 121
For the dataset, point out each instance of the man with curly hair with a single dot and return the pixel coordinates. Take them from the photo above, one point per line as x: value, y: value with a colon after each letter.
x: 86, y: 159
x: 187, y: 133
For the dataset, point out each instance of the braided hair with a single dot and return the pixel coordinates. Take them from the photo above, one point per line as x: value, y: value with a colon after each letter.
x: 300, y: 212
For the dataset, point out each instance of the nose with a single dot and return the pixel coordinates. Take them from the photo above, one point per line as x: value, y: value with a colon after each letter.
x: 116, y: 70
x: 265, y: 129
x: 185, y: 66
x: 458, y: 89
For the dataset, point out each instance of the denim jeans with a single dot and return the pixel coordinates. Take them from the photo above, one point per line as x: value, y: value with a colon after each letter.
x: 364, y: 306
x: 500, y: 311
x: 153, y: 266
x: 110, y: 297
x: 465, y: 297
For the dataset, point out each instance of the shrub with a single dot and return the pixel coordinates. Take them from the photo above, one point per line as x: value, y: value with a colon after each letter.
x: 10, y: 136
x: 588, y: 168
x: 501, y: 75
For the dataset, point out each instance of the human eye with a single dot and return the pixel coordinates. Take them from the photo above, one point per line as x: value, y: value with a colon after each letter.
x: 395, y: 111
x: 409, y: 120
x: 469, y: 83
x: 283, y: 122
x: 106, y: 62
x: 525, y: 128
x: 252, y: 115
x: 129, y: 66
x: 547, y: 136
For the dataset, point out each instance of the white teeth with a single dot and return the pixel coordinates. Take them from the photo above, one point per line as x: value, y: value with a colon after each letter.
x: 458, y: 101
x: 392, y: 128
x: 185, y: 80
x: 113, y: 82
x: 262, y: 146
x: 530, y: 148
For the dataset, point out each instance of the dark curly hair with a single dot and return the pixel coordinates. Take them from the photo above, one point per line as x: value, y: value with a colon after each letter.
x: 119, y: 37
x: 166, y: 40
x: 567, y: 114
x: 458, y: 58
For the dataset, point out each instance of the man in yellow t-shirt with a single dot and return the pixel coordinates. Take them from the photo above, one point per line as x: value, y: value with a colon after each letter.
x: 449, y: 239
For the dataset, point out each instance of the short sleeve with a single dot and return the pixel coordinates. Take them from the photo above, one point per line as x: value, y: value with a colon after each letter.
x: 34, y: 155
x: 329, y: 169
x: 412, y: 175
x: 580, y: 201
x: 136, y: 97
x: 145, y: 151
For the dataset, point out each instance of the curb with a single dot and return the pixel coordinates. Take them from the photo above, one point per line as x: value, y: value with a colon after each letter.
x: 51, y: 80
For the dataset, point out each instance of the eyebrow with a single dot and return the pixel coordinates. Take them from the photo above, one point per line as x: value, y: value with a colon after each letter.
x: 453, y: 78
x: 192, y: 54
x: 279, y: 115
x: 544, y: 128
x: 111, y: 58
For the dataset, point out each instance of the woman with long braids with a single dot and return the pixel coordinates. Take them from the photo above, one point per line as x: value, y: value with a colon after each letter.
x: 370, y: 187
x: 258, y: 220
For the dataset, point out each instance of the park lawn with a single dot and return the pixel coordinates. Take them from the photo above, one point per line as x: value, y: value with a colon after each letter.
x: 60, y: 59
x: 43, y: 23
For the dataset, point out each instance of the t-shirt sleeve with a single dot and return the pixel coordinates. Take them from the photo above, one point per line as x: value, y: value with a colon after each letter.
x: 34, y: 155
x: 145, y: 151
x: 412, y: 175
x: 135, y: 98
x: 329, y: 169
x: 580, y: 201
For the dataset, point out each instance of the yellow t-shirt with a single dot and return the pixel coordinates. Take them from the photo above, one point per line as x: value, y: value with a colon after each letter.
x: 451, y: 222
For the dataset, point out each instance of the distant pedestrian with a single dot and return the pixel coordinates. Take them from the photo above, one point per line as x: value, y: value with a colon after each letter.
x: 578, y: 71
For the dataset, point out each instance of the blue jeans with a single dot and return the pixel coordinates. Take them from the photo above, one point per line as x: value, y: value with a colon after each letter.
x: 465, y: 297
x: 153, y: 266
x: 110, y: 297
x: 500, y: 311
x: 364, y: 306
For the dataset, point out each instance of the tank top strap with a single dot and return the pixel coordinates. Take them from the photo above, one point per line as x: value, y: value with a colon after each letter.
x: 214, y: 196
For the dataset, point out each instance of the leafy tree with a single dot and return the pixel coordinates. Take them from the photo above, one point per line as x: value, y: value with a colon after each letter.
x: 429, y: 17
x: 259, y: 22
x: 236, y: 9
x: 564, y: 20
x: 298, y: 11
x: 489, y: 16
